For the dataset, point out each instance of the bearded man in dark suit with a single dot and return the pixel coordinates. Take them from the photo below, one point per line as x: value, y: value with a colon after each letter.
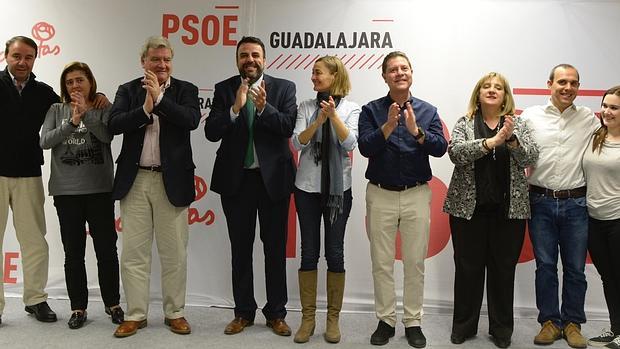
x: 253, y: 115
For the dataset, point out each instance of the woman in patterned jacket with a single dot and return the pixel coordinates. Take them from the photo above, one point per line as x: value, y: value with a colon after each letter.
x: 488, y: 204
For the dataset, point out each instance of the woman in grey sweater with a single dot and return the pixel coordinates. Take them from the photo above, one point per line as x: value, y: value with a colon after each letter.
x: 488, y: 204
x: 81, y: 183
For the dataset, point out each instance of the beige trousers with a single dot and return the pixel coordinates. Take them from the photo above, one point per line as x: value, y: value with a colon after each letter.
x: 146, y: 212
x: 387, y: 212
x: 25, y: 197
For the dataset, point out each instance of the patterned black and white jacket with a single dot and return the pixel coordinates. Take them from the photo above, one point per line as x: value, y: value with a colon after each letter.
x: 464, y: 150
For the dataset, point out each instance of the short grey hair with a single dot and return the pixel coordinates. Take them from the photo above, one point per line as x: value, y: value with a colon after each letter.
x: 155, y: 42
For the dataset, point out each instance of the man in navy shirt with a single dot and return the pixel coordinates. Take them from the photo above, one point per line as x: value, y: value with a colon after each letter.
x: 397, y: 133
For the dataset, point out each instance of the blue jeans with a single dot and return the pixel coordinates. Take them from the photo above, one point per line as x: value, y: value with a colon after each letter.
x: 559, y: 224
x: 309, y: 211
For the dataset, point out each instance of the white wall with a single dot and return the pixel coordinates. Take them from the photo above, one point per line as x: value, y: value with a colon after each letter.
x: 451, y: 44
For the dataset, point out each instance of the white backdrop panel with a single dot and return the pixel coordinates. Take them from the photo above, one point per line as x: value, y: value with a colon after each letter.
x: 450, y: 43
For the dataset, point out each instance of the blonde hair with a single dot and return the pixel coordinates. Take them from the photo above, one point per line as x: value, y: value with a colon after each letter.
x: 508, y: 104
x: 341, y: 85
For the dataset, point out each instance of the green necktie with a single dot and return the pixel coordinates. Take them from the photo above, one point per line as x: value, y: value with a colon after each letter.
x: 250, y: 111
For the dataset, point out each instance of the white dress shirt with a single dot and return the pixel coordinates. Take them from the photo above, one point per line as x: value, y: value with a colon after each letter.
x: 562, y: 139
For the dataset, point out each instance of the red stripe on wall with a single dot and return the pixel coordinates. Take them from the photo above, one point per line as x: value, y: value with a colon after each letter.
x: 546, y: 92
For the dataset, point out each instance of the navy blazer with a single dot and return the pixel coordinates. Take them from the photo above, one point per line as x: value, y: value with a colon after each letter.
x: 272, y: 130
x: 179, y: 113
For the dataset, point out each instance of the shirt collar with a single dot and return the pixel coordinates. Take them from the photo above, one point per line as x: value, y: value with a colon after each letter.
x: 390, y: 100
x: 256, y: 83
x: 166, y: 84
x: 550, y: 106
x: 23, y: 84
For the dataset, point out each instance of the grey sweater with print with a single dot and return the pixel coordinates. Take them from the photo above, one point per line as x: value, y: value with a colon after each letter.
x: 81, y: 156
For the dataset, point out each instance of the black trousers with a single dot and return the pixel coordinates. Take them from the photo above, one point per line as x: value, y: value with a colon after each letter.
x: 487, y: 242
x: 73, y: 213
x: 241, y: 211
x: 603, y: 243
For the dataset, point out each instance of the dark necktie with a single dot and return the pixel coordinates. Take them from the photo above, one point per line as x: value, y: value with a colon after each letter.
x: 250, y: 111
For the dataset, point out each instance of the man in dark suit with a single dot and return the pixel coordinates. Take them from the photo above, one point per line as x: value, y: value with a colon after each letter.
x: 253, y: 115
x: 155, y: 183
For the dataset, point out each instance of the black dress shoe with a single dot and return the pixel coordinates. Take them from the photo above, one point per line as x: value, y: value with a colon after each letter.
x: 382, y: 334
x: 42, y: 312
x: 116, y: 314
x: 77, y: 320
x: 415, y: 337
x: 501, y: 342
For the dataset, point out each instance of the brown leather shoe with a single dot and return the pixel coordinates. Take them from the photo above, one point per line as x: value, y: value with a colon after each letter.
x: 129, y: 328
x: 572, y: 333
x: 179, y: 326
x: 548, y: 334
x: 279, y: 327
x: 237, y: 325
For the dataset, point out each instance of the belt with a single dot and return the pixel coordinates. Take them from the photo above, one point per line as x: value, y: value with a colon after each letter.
x: 153, y: 168
x: 397, y: 187
x: 559, y: 194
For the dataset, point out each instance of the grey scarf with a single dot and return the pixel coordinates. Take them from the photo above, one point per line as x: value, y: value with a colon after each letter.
x: 332, y: 186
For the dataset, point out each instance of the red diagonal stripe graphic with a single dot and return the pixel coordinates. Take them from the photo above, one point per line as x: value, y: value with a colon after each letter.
x: 300, y: 63
x: 311, y: 62
x: 295, y: 60
x: 375, y: 62
x: 347, y: 62
x: 366, y: 61
x: 287, y: 58
x: 274, y: 61
x: 358, y: 60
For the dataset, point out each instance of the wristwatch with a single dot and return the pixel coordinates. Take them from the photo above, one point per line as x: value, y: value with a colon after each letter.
x: 420, y: 134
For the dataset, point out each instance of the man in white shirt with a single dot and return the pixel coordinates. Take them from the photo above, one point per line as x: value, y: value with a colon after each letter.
x: 559, y: 217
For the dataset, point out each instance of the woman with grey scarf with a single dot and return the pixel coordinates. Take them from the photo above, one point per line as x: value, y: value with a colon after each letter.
x: 326, y: 133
